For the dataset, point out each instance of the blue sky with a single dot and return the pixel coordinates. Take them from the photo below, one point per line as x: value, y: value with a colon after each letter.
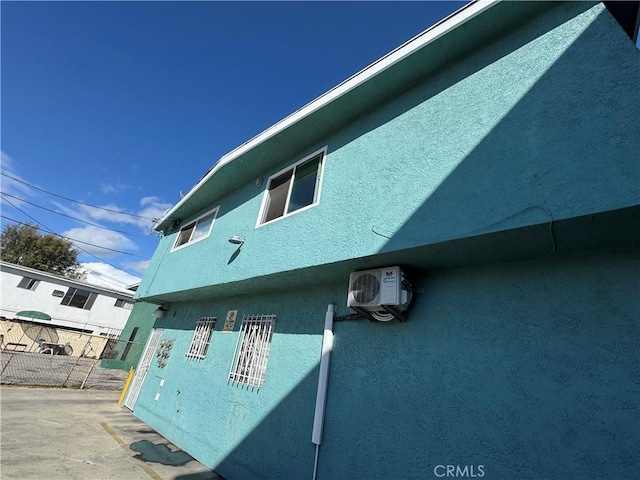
x: 122, y: 105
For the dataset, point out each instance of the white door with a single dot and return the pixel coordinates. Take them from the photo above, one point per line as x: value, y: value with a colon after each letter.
x: 143, y: 368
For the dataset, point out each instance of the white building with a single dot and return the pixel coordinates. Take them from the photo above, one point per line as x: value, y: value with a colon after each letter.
x: 71, y: 304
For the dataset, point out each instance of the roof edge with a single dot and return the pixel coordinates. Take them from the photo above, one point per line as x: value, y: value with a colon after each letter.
x: 434, y: 32
x: 60, y: 278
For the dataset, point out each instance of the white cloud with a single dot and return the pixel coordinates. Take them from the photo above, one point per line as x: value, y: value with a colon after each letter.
x: 106, y: 188
x: 106, y: 239
x: 140, y: 266
x: 105, y: 275
x: 10, y: 186
x: 151, y: 208
x: 111, y: 188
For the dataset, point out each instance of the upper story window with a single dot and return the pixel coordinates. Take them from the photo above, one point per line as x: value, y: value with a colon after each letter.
x: 197, y: 230
x: 124, y: 304
x: 293, y: 189
x: 28, y: 283
x: 79, y: 298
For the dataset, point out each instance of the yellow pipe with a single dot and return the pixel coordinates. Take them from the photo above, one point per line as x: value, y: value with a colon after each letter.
x: 126, y: 385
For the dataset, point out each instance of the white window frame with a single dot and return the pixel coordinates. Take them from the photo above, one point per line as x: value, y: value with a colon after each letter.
x: 201, y: 338
x: 213, y: 212
x: 316, y: 201
x: 250, y: 357
x: 122, y: 303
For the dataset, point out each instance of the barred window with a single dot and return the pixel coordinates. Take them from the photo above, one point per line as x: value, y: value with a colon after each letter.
x: 124, y: 304
x: 250, y: 357
x: 201, y: 337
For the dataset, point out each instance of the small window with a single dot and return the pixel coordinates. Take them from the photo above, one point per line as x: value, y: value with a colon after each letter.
x: 28, y: 283
x: 201, y: 337
x: 196, y: 230
x: 250, y: 358
x: 58, y: 293
x: 124, y: 304
x: 125, y: 352
x: 79, y: 298
x: 293, y: 189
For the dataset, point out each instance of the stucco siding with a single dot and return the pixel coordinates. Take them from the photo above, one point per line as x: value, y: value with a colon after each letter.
x: 232, y: 426
x: 529, y: 369
x: 539, y: 125
x: 103, y: 317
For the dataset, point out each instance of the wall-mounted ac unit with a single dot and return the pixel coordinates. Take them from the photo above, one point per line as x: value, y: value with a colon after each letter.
x: 381, y: 294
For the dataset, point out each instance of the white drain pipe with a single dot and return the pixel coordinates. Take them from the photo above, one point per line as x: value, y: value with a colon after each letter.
x: 323, y: 380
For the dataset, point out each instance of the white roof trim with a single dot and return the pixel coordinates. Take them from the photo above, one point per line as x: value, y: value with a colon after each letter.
x: 60, y: 280
x: 431, y: 34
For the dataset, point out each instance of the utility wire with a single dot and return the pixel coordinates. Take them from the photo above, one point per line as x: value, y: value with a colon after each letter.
x: 77, y: 201
x: 79, y: 248
x: 48, y: 230
x: 73, y: 218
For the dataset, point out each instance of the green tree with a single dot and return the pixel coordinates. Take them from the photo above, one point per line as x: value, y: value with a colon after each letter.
x: 23, y: 245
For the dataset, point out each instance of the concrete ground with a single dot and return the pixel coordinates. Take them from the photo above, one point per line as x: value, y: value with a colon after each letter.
x: 83, y: 434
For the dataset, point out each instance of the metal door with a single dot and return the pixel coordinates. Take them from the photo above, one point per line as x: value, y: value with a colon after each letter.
x: 143, y: 368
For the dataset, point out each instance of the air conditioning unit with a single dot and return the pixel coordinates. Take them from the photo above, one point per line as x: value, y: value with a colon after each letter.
x: 381, y: 294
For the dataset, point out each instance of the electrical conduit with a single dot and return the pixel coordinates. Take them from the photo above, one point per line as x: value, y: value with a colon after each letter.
x: 323, y: 379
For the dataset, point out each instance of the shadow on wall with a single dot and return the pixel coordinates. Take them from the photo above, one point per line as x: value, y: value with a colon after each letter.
x: 528, y: 369
x: 183, y: 316
x: 567, y: 147
x: 261, y: 455
x: 540, y: 150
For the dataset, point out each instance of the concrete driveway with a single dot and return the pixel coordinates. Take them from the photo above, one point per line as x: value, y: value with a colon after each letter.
x: 52, y: 434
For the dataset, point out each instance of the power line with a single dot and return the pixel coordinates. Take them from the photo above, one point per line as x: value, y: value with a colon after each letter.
x: 46, y: 229
x: 74, y: 218
x: 79, y: 248
x: 77, y: 201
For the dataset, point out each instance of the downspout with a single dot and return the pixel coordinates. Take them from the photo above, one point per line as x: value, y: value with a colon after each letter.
x: 323, y: 380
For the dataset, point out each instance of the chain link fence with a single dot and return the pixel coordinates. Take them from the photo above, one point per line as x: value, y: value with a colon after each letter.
x: 36, y: 354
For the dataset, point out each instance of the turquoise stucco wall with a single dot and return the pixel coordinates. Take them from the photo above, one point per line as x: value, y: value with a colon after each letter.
x: 529, y: 369
x: 540, y: 124
x: 142, y: 318
x: 225, y: 425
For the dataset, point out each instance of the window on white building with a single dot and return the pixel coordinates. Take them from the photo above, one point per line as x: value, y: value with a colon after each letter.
x: 293, y: 189
x: 251, y: 355
x: 197, y: 230
x: 124, y: 304
x: 28, y: 283
x: 78, y: 298
x: 201, y: 337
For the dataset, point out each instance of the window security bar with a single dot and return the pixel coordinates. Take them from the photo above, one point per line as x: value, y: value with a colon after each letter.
x: 251, y: 354
x: 201, y: 337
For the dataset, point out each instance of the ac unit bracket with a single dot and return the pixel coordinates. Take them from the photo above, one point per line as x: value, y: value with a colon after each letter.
x: 364, y: 313
x: 396, y: 313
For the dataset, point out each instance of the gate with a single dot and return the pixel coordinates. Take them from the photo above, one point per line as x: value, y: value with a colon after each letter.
x: 143, y: 368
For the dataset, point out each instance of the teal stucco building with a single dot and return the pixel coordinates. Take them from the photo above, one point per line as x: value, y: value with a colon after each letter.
x: 495, y: 160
